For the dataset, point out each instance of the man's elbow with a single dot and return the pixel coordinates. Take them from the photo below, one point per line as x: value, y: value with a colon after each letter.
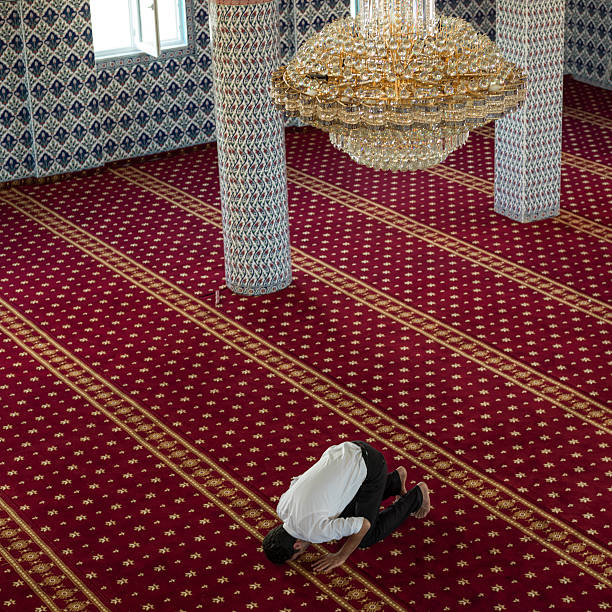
x: 366, y: 526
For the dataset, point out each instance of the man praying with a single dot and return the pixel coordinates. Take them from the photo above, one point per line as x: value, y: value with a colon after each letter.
x: 339, y: 497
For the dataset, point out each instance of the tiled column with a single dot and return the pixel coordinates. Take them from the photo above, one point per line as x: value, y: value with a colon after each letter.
x: 528, y: 141
x: 251, y: 146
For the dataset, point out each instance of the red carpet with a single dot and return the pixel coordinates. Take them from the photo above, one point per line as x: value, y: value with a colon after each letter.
x: 149, y: 426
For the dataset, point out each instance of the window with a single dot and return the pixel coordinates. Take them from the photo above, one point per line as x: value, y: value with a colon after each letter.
x: 128, y: 27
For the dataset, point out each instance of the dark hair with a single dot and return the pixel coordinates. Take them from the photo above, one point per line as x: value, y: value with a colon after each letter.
x: 278, y: 545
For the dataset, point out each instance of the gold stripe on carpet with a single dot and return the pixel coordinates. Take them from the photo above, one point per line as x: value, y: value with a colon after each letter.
x: 16, y: 534
x: 555, y: 392
x: 572, y: 401
x: 461, y: 476
x: 587, y: 165
x: 575, y: 161
x: 27, y: 579
x: 569, y: 159
x: 498, y: 499
x: 495, y: 263
x: 576, y: 113
x: 463, y: 178
x: 582, y: 224
x: 587, y: 226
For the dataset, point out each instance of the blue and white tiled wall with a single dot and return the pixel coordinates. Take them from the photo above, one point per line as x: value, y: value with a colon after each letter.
x: 61, y: 79
x: 481, y: 14
x: 588, y: 33
x: 16, y: 148
x: 588, y: 41
x: 60, y: 112
x: 149, y: 106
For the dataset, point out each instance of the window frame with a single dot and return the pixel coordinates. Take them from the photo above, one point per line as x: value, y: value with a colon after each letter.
x: 183, y: 41
x: 122, y: 53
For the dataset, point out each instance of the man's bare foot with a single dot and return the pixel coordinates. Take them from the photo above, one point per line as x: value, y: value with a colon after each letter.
x: 403, y: 475
x: 423, y: 511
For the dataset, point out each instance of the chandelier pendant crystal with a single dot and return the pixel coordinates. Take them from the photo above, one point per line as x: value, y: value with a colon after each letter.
x: 397, y: 86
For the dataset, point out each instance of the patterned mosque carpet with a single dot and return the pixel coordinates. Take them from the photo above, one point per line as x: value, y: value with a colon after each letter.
x: 151, y: 419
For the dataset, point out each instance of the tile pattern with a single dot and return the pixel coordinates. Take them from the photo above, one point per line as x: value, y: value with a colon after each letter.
x: 62, y: 85
x: 588, y: 33
x: 116, y: 110
x: 286, y: 29
x: 16, y: 157
x: 151, y: 105
x: 251, y: 145
x: 311, y: 15
x: 144, y: 59
x: 480, y: 14
x: 588, y: 41
x: 528, y: 141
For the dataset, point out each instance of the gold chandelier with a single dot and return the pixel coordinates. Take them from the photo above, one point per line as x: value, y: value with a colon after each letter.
x: 396, y: 86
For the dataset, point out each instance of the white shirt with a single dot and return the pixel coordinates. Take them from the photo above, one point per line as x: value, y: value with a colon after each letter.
x: 310, y: 506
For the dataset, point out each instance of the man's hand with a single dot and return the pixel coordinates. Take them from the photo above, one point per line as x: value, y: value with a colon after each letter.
x: 329, y: 562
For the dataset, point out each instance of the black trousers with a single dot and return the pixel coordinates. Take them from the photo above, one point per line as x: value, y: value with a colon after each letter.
x: 378, y: 485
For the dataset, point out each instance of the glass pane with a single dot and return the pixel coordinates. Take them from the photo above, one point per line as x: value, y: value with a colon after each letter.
x: 110, y: 24
x: 169, y: 28
x: 147, y: 19
x: 148, y: 41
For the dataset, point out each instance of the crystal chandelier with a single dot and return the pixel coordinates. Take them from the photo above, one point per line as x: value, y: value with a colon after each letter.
x: 397, y: 86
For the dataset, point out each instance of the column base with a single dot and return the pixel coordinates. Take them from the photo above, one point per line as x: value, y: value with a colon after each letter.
x: 522, y: 217
x: 261, y: 290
